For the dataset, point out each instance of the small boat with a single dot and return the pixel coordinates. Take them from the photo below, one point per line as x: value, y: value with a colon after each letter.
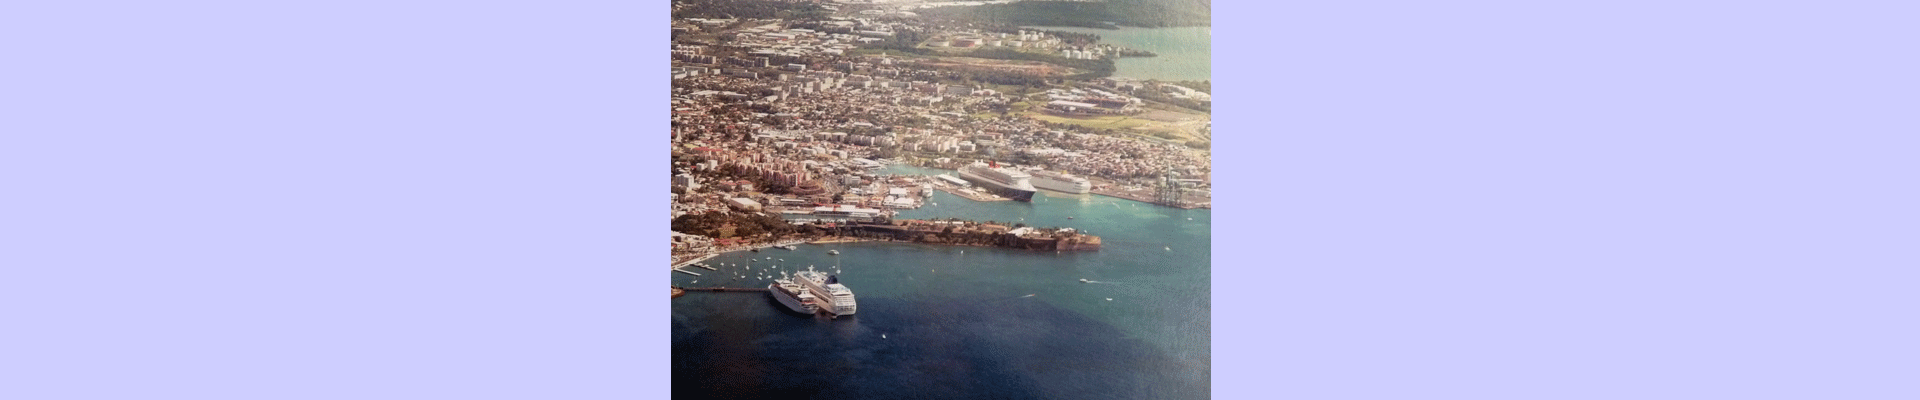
x: 1169, y: 248
x: 1069, y: 217
x: 833, y: 252
x: 883, y: 336
x: 1109, y: 299
x: 1084, y: 280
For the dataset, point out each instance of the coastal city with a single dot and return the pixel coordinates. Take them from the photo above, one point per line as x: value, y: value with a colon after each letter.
x: 794, y: 117
x: 833, y: 158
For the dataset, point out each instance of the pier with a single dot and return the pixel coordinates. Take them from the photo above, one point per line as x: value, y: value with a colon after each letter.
x: 971, y: 194
x: 686, y: 272
x: 689, y: 259
x: 721, y: 289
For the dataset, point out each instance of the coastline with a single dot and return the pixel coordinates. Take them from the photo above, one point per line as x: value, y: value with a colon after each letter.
x: 1088, y: 242
x: 1143, y: 196
x: 693, y: 258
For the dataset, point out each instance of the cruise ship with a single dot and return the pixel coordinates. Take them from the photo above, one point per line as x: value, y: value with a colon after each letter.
x: 1006, y: 182
x: 829, y: 295
x: 1060, y: 182
x: 793, y: 295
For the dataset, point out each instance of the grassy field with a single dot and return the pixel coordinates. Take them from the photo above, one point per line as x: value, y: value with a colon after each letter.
x: 1101, y: 122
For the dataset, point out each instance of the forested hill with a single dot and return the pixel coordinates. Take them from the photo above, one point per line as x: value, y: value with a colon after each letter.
x: 1106, y: 14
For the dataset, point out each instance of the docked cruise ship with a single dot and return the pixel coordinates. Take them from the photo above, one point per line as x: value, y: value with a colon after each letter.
x: 1006, y: 182
x: 793, y: 295
x: 1060, y: 182
x: 831, y: 296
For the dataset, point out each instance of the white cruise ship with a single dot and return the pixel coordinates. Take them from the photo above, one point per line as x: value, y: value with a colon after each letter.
x: 831, y: 296
x: 793, y: 295
x: 1060, y: 182
x: 1007, y: 182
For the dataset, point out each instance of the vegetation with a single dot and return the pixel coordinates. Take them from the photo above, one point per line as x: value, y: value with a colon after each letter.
x: 1101, y: 122
x: 969, y: 234
x: 1204, y: 86
x: 713, y: 224
x: 728, y: 9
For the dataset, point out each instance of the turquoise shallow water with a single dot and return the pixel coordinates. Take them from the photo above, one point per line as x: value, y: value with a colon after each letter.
x: 1184, y: 53
x: 970, y: 322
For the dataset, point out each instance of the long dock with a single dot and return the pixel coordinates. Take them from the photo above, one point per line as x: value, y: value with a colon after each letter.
x: 975, y: 195
x: 721, y: 289
x: 686, y: 272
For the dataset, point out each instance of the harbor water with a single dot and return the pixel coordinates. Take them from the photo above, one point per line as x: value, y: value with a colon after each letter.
x: 967, y: 322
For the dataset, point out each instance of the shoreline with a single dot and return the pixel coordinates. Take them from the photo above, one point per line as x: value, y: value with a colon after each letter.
x: 1145, y: 196
x: 834, y: 240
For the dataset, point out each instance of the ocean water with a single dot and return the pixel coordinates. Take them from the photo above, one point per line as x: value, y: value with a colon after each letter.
x: 969, y: 322
x: 1185, y: 53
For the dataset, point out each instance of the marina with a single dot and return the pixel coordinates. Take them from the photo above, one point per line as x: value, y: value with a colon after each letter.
x: 719, y: 289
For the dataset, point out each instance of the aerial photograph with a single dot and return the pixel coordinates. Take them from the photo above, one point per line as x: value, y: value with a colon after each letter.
x: 1003, y: 199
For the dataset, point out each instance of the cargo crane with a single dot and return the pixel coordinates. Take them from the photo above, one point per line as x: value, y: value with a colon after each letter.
x: 1171, y: 191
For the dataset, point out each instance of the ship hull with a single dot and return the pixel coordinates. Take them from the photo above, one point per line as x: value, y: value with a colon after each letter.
x: 828, y: 294
x: 997, y: 188
x: 1042, y: 182
x: 792, y: 303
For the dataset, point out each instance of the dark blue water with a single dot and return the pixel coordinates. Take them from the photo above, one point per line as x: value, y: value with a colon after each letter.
x: 969, y: 322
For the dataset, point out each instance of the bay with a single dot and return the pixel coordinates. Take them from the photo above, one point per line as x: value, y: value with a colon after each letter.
x: 1185, y: 53
x: 969, y: 322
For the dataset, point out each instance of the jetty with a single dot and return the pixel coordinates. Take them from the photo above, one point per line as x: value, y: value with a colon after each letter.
x: 720, y: 289
x: 686, y: 272
x: 970, y: 193
x: 689, y: 259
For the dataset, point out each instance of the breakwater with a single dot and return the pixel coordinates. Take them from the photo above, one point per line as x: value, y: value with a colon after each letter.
x: 955, y: 232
